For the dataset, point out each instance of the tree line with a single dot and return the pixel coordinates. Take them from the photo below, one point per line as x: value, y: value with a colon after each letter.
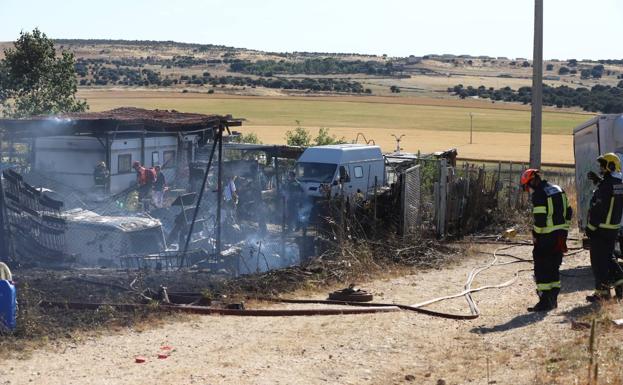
x: 599, y: 98
x: 323, y: 66
x: 100, y: 75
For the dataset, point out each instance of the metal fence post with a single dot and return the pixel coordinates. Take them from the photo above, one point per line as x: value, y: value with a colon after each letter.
x: 283, y: 226
x: 403, y: 205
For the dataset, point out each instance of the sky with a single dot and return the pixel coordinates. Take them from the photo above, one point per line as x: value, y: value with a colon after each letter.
x: 573, y: 28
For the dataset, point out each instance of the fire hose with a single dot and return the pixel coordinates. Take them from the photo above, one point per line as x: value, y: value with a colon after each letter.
x: 358, y: 307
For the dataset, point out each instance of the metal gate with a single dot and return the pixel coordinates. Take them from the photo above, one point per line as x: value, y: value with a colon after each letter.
x: 411, y: 201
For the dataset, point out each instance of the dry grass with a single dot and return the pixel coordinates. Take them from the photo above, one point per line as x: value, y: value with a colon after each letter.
x: 569, y: 362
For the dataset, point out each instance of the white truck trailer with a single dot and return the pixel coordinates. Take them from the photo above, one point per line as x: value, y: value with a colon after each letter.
x: 599, y: 135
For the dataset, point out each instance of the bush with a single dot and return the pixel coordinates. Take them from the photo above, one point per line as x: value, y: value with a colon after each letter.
x: 298, y: 137
x: 250, y: 138
x: 324, y: 138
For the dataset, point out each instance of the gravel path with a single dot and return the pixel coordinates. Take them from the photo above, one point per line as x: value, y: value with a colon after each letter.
x: 391, y: 348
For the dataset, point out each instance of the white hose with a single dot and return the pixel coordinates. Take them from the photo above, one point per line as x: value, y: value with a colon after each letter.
x: 5, y: 272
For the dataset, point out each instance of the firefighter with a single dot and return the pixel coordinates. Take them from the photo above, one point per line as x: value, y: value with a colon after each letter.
x: 552, y: 216
x: 144, y: 180
x: 604, y: 221
x: 101, y: 174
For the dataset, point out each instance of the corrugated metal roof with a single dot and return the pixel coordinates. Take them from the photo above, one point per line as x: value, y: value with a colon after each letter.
x: 125, y: 118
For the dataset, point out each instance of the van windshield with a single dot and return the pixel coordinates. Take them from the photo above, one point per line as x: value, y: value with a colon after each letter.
x: 315, y: 172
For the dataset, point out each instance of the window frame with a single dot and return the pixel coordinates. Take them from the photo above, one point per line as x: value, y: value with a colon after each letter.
x: 157, y: 162
x: 166, y: 164
x: 355, y: 171
x: 129, y: 168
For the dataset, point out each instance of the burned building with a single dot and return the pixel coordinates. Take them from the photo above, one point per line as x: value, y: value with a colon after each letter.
x: 53, y: 210
x: 66, y: 148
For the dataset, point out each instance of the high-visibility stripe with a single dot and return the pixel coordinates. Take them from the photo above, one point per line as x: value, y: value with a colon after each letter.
x: 602, y: 292
x: 607, y: 225
x: 618, y: 283
x: 609, y: 217
x: 547, y: 230
x: 548, y: 286
x: 550, y: 212
x: 543, y: 286
x: 591, y: 227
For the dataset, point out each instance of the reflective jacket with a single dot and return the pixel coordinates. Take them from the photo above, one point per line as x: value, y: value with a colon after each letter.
x: 606, y: 205
x: 550, y: 208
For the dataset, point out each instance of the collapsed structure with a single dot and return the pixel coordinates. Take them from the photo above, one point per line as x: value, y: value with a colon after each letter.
x: 230, y: 207
x: 66, y: 148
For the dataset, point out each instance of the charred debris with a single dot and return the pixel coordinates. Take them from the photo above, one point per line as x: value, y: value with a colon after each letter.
x: 74, y: 197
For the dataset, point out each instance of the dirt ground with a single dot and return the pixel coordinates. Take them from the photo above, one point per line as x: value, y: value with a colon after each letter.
x: 506, y: 345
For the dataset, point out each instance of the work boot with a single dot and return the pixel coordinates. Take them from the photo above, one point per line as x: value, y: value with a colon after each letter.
x: 544, y: 304
x: 554, y: 297
x: 599, y: 296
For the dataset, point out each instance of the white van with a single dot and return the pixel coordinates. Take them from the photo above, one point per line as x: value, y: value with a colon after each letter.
x: 321, y: 167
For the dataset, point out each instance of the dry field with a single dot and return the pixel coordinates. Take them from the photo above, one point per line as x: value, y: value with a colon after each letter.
x: 429, y: 124
x: 506, y: 345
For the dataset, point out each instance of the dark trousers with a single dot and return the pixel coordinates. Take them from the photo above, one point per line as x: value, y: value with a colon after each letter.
x: 547, y: 256
x: 605, y: 268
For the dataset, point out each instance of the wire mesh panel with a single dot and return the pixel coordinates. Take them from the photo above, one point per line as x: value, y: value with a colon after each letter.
x: 36, y: 226
x: 412, y: 201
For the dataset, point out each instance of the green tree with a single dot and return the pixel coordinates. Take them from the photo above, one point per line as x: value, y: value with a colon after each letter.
x: 250, y: 138
x: 325, y: 138
x: 299, y: 137
x: 35, y: 81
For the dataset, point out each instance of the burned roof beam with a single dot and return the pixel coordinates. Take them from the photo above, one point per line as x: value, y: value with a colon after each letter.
x: 98, y: 123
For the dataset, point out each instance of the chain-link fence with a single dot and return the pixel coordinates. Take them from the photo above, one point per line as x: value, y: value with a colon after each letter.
x: 461, y: 199
x: 411, y: 200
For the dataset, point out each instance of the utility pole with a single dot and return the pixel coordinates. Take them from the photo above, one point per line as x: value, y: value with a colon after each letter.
x: 537, y: 87
x: 471, y: 126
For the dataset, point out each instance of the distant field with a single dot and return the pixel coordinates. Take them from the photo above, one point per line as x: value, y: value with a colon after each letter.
x: 499, y: 133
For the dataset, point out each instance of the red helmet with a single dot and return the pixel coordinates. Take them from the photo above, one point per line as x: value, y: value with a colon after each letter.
x: 527, y: 176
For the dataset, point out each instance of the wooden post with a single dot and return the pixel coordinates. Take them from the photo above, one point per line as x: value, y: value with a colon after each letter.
x: 375, y: 208
x: 498, y: 182
x: 510, y: 184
